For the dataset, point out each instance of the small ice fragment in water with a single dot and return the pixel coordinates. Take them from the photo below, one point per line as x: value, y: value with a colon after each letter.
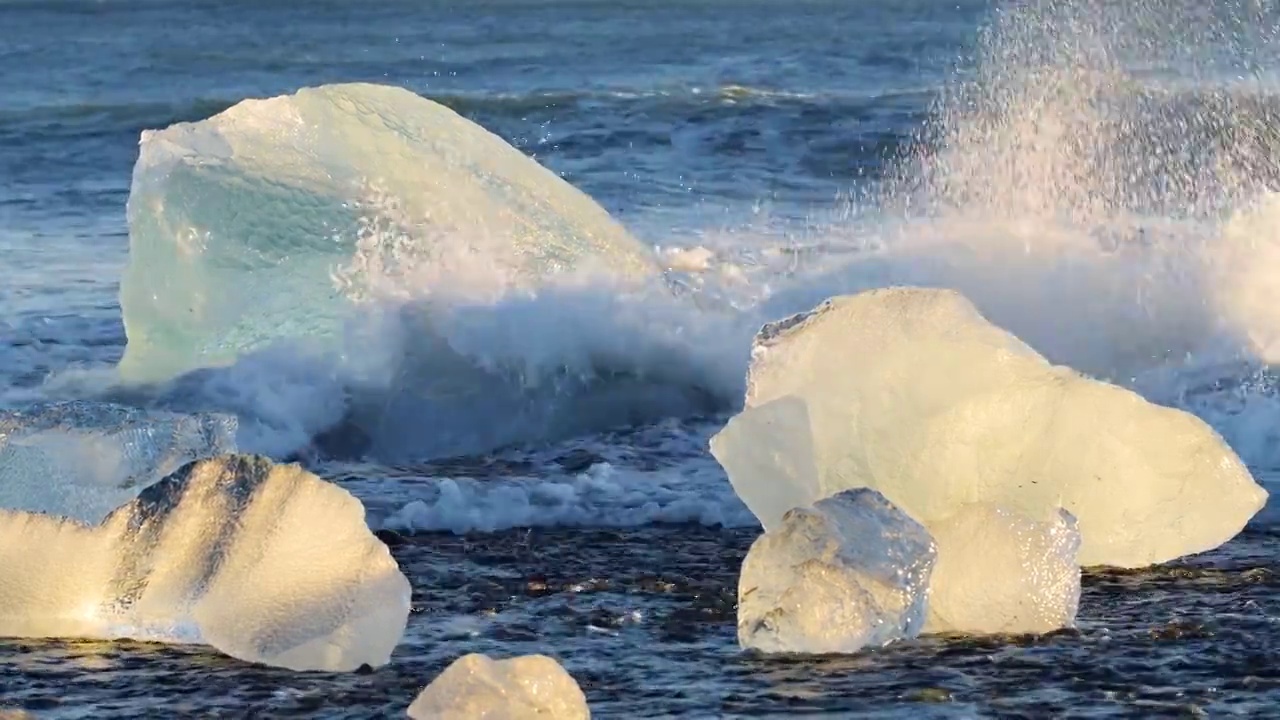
x: 530, y: 687
x: 999, y: 571
x: 267, y: 563
x: 847, y: 573
x: 84, y: 459
x: 913, y: 392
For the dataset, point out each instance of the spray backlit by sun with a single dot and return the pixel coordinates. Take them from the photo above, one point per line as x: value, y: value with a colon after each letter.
x: 1099, y: 181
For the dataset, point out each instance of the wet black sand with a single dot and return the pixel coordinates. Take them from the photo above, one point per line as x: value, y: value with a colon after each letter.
x: 644, y: 619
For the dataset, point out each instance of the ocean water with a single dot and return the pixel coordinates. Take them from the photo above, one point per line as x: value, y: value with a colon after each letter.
x: 1098, y: 177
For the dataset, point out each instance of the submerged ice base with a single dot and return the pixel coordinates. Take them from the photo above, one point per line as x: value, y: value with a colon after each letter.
x: 261, y: 222
x: 530, y: 687
x: 847, y: 573
x: 267, y: 563
x: 912, y: 392
x: 84, y: 459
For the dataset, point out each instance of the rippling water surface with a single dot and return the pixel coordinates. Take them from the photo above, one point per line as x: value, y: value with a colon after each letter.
x: 644, y: 620
x: 1096, y: 176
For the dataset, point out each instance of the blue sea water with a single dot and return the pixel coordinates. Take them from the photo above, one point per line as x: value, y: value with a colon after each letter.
x: 1096, y: 176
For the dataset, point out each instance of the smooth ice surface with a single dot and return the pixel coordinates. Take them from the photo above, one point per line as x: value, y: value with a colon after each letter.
x: 85, y: 459
x: 259, y: 222
x: 769, y: 450
x: 267, y: 563
x: 912, y: 392
x: 1000, y: 571
x: 847, y: 573
x: 477, y: 687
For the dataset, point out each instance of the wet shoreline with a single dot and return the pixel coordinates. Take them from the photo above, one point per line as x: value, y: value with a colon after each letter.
x: 644, y: 620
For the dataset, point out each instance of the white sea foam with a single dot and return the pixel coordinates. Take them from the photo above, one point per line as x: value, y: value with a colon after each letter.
x: 601, y: 496
x: 1115, y: 221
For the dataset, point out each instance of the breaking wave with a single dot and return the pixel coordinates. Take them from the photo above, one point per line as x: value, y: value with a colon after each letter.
x: 1099, y: 180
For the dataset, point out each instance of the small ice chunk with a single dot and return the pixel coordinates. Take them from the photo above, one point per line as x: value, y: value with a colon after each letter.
x: 267, y: 563
x: 530, y: 687
x: 84, y: 459
x: 912, y: 392
x: 1000, y: 571
x: 847, y: 573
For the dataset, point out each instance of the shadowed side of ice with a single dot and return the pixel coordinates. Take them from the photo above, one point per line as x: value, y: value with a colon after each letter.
x: 529, y: 687
x: 849, y: 572
x: 264, y: 562
x: 85, y: 459
x: 912, y: 392
x: 238, y: 223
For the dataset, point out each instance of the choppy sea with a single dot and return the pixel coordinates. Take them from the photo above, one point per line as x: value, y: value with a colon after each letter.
x: 1099, y: 177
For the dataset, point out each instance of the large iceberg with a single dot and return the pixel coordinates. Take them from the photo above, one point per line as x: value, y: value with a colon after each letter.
x: 241, y: 225
x: 1000, y: 571
x: 852, y: 571
x: 912, y: 392
x: 84, y: 459
x: 267, y: 563
x: 476, y: 687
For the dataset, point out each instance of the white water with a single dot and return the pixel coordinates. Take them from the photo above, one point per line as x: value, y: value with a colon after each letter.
x: 1116, y: 222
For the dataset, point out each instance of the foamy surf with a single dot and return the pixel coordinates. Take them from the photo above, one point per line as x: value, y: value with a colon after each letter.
x: 1076, y: 210
x: 1117, y: 223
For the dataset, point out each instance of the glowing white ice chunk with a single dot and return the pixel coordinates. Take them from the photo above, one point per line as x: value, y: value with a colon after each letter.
x: 912, y: 392
x: 999, y: 571
x: 267, y: 563
x: 530, y: 687
x: 847, y: 573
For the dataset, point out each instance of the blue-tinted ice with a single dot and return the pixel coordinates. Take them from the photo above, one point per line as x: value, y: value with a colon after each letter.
x: 262, y: 222
x: 84, y: 459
